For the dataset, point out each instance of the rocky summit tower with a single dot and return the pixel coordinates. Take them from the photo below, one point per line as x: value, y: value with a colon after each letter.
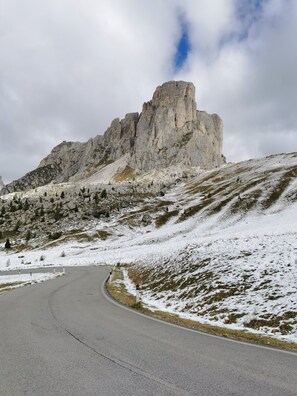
x: 169, y: 131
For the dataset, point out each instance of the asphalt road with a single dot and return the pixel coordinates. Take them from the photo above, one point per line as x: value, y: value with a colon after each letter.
x: 63, y: 337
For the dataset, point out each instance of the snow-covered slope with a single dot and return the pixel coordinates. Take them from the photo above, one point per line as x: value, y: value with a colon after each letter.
x: 219, y: 247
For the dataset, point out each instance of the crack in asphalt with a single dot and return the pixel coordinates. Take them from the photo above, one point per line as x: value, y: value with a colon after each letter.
x: 125, y: 365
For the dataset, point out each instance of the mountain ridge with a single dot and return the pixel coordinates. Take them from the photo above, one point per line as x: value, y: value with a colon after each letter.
x: 169, y: 131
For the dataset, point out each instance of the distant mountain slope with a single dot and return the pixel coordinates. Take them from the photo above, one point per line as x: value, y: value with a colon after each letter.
x: 217, y: 246
x: 168, y: 131
x: 228, y: 195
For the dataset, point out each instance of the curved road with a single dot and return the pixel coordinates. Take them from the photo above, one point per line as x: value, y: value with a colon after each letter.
x: 63, y: 337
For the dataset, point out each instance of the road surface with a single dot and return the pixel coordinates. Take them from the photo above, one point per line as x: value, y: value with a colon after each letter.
x: 64, y: 337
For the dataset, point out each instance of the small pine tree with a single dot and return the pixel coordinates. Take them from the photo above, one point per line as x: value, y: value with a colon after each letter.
x: 62, y: 195
x: 57, y: 214
x: 103, y: 193
x: 96, y: 198
x: 17, y: 226
x: 26, y: 205
x: 28, y: 235
x: 12, y: 207
x: 7, y: 244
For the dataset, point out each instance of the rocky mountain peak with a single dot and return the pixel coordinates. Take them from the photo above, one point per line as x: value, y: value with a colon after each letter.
x: 173, y: 92
x: 169, y: 131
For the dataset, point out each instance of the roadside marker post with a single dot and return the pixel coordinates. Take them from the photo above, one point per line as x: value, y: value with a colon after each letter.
x: 137, y: 294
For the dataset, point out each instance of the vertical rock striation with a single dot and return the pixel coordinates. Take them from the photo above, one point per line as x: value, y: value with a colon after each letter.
x: 170, y: 131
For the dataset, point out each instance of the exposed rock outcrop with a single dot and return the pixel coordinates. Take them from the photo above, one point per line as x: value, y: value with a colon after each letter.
x: 1, y: 183
x: 168, y: 131
x: 38, y: 177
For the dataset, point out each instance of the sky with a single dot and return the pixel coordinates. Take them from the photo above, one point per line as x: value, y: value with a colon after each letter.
x: 69, y: 67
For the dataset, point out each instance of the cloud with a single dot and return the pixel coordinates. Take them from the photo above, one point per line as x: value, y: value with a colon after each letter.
x: 250, y: 80
x: 69, y: 67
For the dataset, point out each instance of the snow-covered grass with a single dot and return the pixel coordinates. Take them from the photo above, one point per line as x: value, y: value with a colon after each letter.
x: 13, y: 281
x: 221, y: 247
x: 238, y: 283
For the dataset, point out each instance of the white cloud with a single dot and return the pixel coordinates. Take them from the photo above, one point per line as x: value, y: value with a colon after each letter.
x: 251, y: 83
x: 209, y: 22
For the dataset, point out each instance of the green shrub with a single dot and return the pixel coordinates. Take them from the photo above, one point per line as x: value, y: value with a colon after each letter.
x: 54, y: 236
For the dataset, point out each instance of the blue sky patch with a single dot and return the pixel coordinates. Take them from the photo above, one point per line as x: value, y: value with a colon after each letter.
x: 182, y: 49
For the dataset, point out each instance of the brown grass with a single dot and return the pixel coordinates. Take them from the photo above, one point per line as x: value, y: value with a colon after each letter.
x: 118, y: 290
x: 126, y: 174
x: 9, y: 286
x: 2, y: 285
x: 194, y: 209
x: 164, y: 218
x: 279, y: 189
x: 119, y: 293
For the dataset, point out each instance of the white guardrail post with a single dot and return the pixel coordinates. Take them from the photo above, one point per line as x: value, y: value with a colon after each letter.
x: 137, y: 294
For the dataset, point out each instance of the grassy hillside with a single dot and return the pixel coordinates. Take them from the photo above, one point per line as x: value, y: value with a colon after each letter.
x: 218, y: 247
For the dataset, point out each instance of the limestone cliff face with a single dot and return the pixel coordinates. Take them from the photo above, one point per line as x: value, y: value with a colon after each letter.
x: 33, y: 179
x: 74, y: 157
x: 1, y: 183
x: 169, y: 130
